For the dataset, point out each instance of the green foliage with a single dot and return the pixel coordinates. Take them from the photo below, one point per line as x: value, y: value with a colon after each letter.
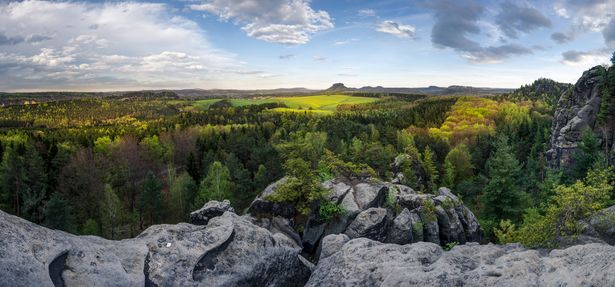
x: 587, y: 154
x: 90, y: 227
x: 428, y: 210
x: 461, y: 161
x: 503, y: 197
x: 302, y: 189
x: 506, y: 232
x: 329, y: 210
x: 216, y: 186
x: 417, y: 229
x: 569, y: 205
x: 112, y: 213
x: 151, y: 204
x: 182, y: 195
x: 430, y: 169
x: 448, y: 179
x: 449, y: 246
x: 333, y: 165
x: 58, y: 214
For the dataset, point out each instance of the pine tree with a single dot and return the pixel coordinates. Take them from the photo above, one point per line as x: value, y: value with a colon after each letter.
x: 503, y: 197
x: 58, y: 214
x: 261, y: 179
x: 36, y: 181
x: 587, y: 154
x: 449, y: 175
x: 151, y: 205
x: 430, y: 169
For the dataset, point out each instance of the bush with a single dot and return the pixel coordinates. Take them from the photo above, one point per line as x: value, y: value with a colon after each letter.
x: 329, y: 210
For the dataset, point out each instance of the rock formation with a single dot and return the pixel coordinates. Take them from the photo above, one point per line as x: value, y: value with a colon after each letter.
x: 378, y: 210
x: 364, y: 262
x: 228, y: 251
x: 578, y: 109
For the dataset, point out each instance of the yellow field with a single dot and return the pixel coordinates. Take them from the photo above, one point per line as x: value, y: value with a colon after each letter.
x: 313, y: 104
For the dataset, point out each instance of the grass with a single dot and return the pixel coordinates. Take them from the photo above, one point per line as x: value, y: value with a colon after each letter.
x: 323, y: 104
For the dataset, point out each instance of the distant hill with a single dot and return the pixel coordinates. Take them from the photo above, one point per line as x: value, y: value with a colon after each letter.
x: 431, y: 90
x: 543, y: 89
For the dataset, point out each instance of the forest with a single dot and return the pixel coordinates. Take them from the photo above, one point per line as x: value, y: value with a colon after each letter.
x: 112, y: 166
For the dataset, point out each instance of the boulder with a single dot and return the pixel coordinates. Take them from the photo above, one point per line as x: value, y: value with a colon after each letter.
x: 400, y: 232
x: 602, y: 225
x: 364, y: 262
x: 332, y: 243
x: 261, y: 207
x: 228, y: 251
x: 210, y: 210
x: 370, y: 223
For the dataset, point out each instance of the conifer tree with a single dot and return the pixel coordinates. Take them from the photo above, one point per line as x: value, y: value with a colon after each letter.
x: 58, y: 214
x: 216, y: 186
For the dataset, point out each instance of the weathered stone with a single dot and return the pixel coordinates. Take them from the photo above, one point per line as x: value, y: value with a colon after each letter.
x: 210, y: 210
x: 262, y: 207
x: 400, y: 232
x: 229, y: 251
x: 332, y: 243
x: 371, y: 223
x: 363, y: 262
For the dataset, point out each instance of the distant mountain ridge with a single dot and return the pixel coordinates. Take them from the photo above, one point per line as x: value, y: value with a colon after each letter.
x: 431, y: 90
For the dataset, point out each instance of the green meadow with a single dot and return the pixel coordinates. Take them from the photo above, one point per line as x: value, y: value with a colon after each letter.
x: 314, y: 104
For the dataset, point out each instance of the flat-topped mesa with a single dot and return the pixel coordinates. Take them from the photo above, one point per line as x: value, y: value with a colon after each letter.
x: 589, y: 105
x: 379, y: 210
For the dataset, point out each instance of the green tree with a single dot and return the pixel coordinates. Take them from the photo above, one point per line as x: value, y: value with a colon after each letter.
x: 58, y: 214
x: 13, y: 176
x: 90, y: 227
x: 302, y: 187
x: 503, y: 197
x: 183, y: 191
x: 112, y: 213
x: 587, y: 154
x: 261, y: 179
x: 461, y: 160
x: 430, y: 169
x: 151, y: 205
x: 448, y: 179
x: 36, y: 180
x: 217, y: 185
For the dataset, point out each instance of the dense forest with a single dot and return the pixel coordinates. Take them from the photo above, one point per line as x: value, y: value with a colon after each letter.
x: 112, y: 166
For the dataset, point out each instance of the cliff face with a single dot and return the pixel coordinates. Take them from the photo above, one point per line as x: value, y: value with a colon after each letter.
x: 580, y: 108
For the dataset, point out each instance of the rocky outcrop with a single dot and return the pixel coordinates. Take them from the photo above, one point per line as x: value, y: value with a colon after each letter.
x: 577, y: 110
x: 364, y: 262
x: 382, y: 211
x: 600, y: 227
x: 228, y: 251
x: 210, y: 210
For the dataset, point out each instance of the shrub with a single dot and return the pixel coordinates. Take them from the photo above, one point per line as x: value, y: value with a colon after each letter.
x: 329, y: 210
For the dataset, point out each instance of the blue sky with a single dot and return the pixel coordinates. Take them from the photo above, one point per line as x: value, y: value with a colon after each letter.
x: 258, y: 44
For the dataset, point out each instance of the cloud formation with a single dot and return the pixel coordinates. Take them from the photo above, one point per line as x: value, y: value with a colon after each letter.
x: 54, y: 45
x: 561, y: 38
x: 397, y: 29
x: 367, y: 12
x: 456, y: 21
x: 278, y: 21
x: 585, y: 58
x: 514, y: 19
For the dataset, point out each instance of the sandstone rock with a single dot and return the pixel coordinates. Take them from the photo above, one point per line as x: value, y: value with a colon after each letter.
x: 371, y: 223
x: 228, y: 251
x: 210, y: 210
x: 400, y: 232
x: 577, y: 110
x: 363, y: 262
x: 602, y: 225
x: 332, y: 243
x: 261, y: 207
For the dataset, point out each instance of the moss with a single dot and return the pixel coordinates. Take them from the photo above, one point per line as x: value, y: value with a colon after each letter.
x: 428, y: 210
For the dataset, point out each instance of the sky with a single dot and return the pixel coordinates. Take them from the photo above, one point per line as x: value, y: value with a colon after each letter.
x: 263, y: 44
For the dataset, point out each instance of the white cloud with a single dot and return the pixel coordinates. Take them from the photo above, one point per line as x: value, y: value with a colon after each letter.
x: 367, y: 12
x: 586, y: 58
x: 396, y: 29
x: 73, y: 45
x: 589, y: 15
x: 277, y: 21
